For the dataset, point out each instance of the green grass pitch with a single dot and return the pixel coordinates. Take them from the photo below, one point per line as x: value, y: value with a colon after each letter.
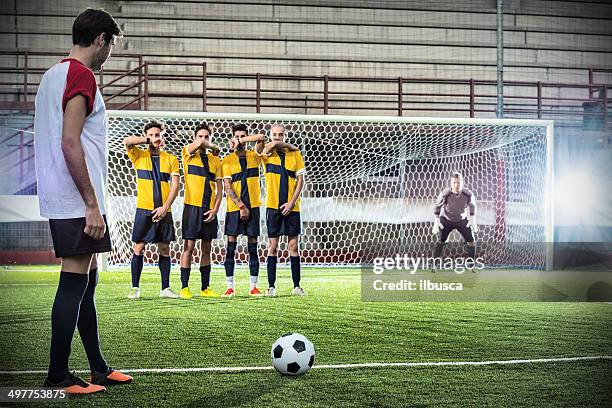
x: 164, y: 333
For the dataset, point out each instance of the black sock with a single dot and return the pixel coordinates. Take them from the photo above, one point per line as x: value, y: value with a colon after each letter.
x: 438, y: 249
x: 88, y: 326
x: 471, y: 251
x: 272, y: 270
x: 164, y: 268
x: 253, y: 259
x: 205, y: 274
x: 185, y: 272
x: 64, y: 316
x: 137, y: 263
x: 230, y: 253
x: 295, y: 270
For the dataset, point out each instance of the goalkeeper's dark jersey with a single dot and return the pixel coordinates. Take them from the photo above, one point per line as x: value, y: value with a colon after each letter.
x: 454, y: 207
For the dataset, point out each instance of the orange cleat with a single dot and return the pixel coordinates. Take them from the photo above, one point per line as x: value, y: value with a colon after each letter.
x: 74, y: 385
x: 255, y: 292
x: 229, y: 293
x: 111, y: 377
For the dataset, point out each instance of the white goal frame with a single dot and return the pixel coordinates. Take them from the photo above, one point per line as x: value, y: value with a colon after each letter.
x: 547, y: 203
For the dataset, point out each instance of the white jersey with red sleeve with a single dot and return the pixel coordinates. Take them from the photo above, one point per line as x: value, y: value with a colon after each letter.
x: 58, y: 195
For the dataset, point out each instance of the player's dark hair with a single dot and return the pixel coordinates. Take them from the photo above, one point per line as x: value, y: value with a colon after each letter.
x: 456, y: 174
x: 153, y: 124
x: 90, y: 24
x: 239, y: 127
x: 201, y: 126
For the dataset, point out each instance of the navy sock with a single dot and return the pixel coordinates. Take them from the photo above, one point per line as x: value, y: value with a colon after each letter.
x: 295, y: 270
x: 230, y: 253
x: 64, y: 317
x: 253, y: 259
x: 205, y: 274
x: 185, y: 272
x: 88, y: 325
x: 137, y: 263
x: 164, y: 268
x: 272, y: 270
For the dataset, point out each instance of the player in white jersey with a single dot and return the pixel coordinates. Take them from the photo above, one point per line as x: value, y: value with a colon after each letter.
x: 70, y: 148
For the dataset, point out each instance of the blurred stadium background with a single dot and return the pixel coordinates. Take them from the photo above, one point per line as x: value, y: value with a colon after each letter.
x: 396, y: 58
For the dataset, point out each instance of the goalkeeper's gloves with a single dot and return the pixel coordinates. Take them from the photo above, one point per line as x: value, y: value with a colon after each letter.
x: 472, y: 224
x: 437, y: 226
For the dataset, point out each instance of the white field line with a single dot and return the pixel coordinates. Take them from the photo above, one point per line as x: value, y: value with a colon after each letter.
x: 336, y: 366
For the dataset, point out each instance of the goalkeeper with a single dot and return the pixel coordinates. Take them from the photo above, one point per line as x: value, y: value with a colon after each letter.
x: 451, y: 212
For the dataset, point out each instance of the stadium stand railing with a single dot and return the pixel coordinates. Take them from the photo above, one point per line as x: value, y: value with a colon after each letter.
x: 155, y: 85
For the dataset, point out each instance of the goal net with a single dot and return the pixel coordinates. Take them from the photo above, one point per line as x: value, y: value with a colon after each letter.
x: 370, y: 182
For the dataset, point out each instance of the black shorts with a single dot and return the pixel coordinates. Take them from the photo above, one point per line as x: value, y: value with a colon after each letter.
x: 234, y: 226
x: 70, y: 240
x: 279, y: 224
x: 194, y: 226
x: 449, y: 226
x: 145, y: 230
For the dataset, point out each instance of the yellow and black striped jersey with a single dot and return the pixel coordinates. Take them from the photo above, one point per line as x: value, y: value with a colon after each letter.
x: 243, y: 171
x: 201, y: 172
x: 154, y: 174
x: 282, y: 170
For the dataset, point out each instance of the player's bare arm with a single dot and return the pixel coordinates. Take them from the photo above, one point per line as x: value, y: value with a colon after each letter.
x: 212, y: 213
x: 244, y: 211
x: 193, y: 147
x: 277, y: 144
x: 288, y: 206
x: 74, y: 118
x: 288, y: 146
x: 233, y: 143
x: 160, y: 212
x: 202, y: 144
x: 211, y: 146
x: 260, y: 144
x: 136, y: 140
x: 259, y: 140
x: 251, y: 138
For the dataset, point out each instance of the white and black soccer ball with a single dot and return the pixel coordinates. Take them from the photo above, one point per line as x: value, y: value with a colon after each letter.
x: 293, y: 354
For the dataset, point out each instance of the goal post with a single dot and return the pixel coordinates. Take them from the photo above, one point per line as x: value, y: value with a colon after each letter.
x: 370, y: 179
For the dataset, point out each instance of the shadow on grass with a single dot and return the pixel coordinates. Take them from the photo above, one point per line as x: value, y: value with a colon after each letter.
x: 244, y: 393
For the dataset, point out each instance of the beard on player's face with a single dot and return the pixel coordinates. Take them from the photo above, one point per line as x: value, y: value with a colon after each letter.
x: 156, y: 138
x: 101, y: 57
x: 156, y: 142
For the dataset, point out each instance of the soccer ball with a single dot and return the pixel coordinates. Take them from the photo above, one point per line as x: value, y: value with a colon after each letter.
x: 293, y: 354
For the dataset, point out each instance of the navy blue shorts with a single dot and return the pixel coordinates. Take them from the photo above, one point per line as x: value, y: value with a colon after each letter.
x: 194, y: 226
x: 234, y: 226
x: 145, y: 230
x: 279, y: 224
x: 70, y: 240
